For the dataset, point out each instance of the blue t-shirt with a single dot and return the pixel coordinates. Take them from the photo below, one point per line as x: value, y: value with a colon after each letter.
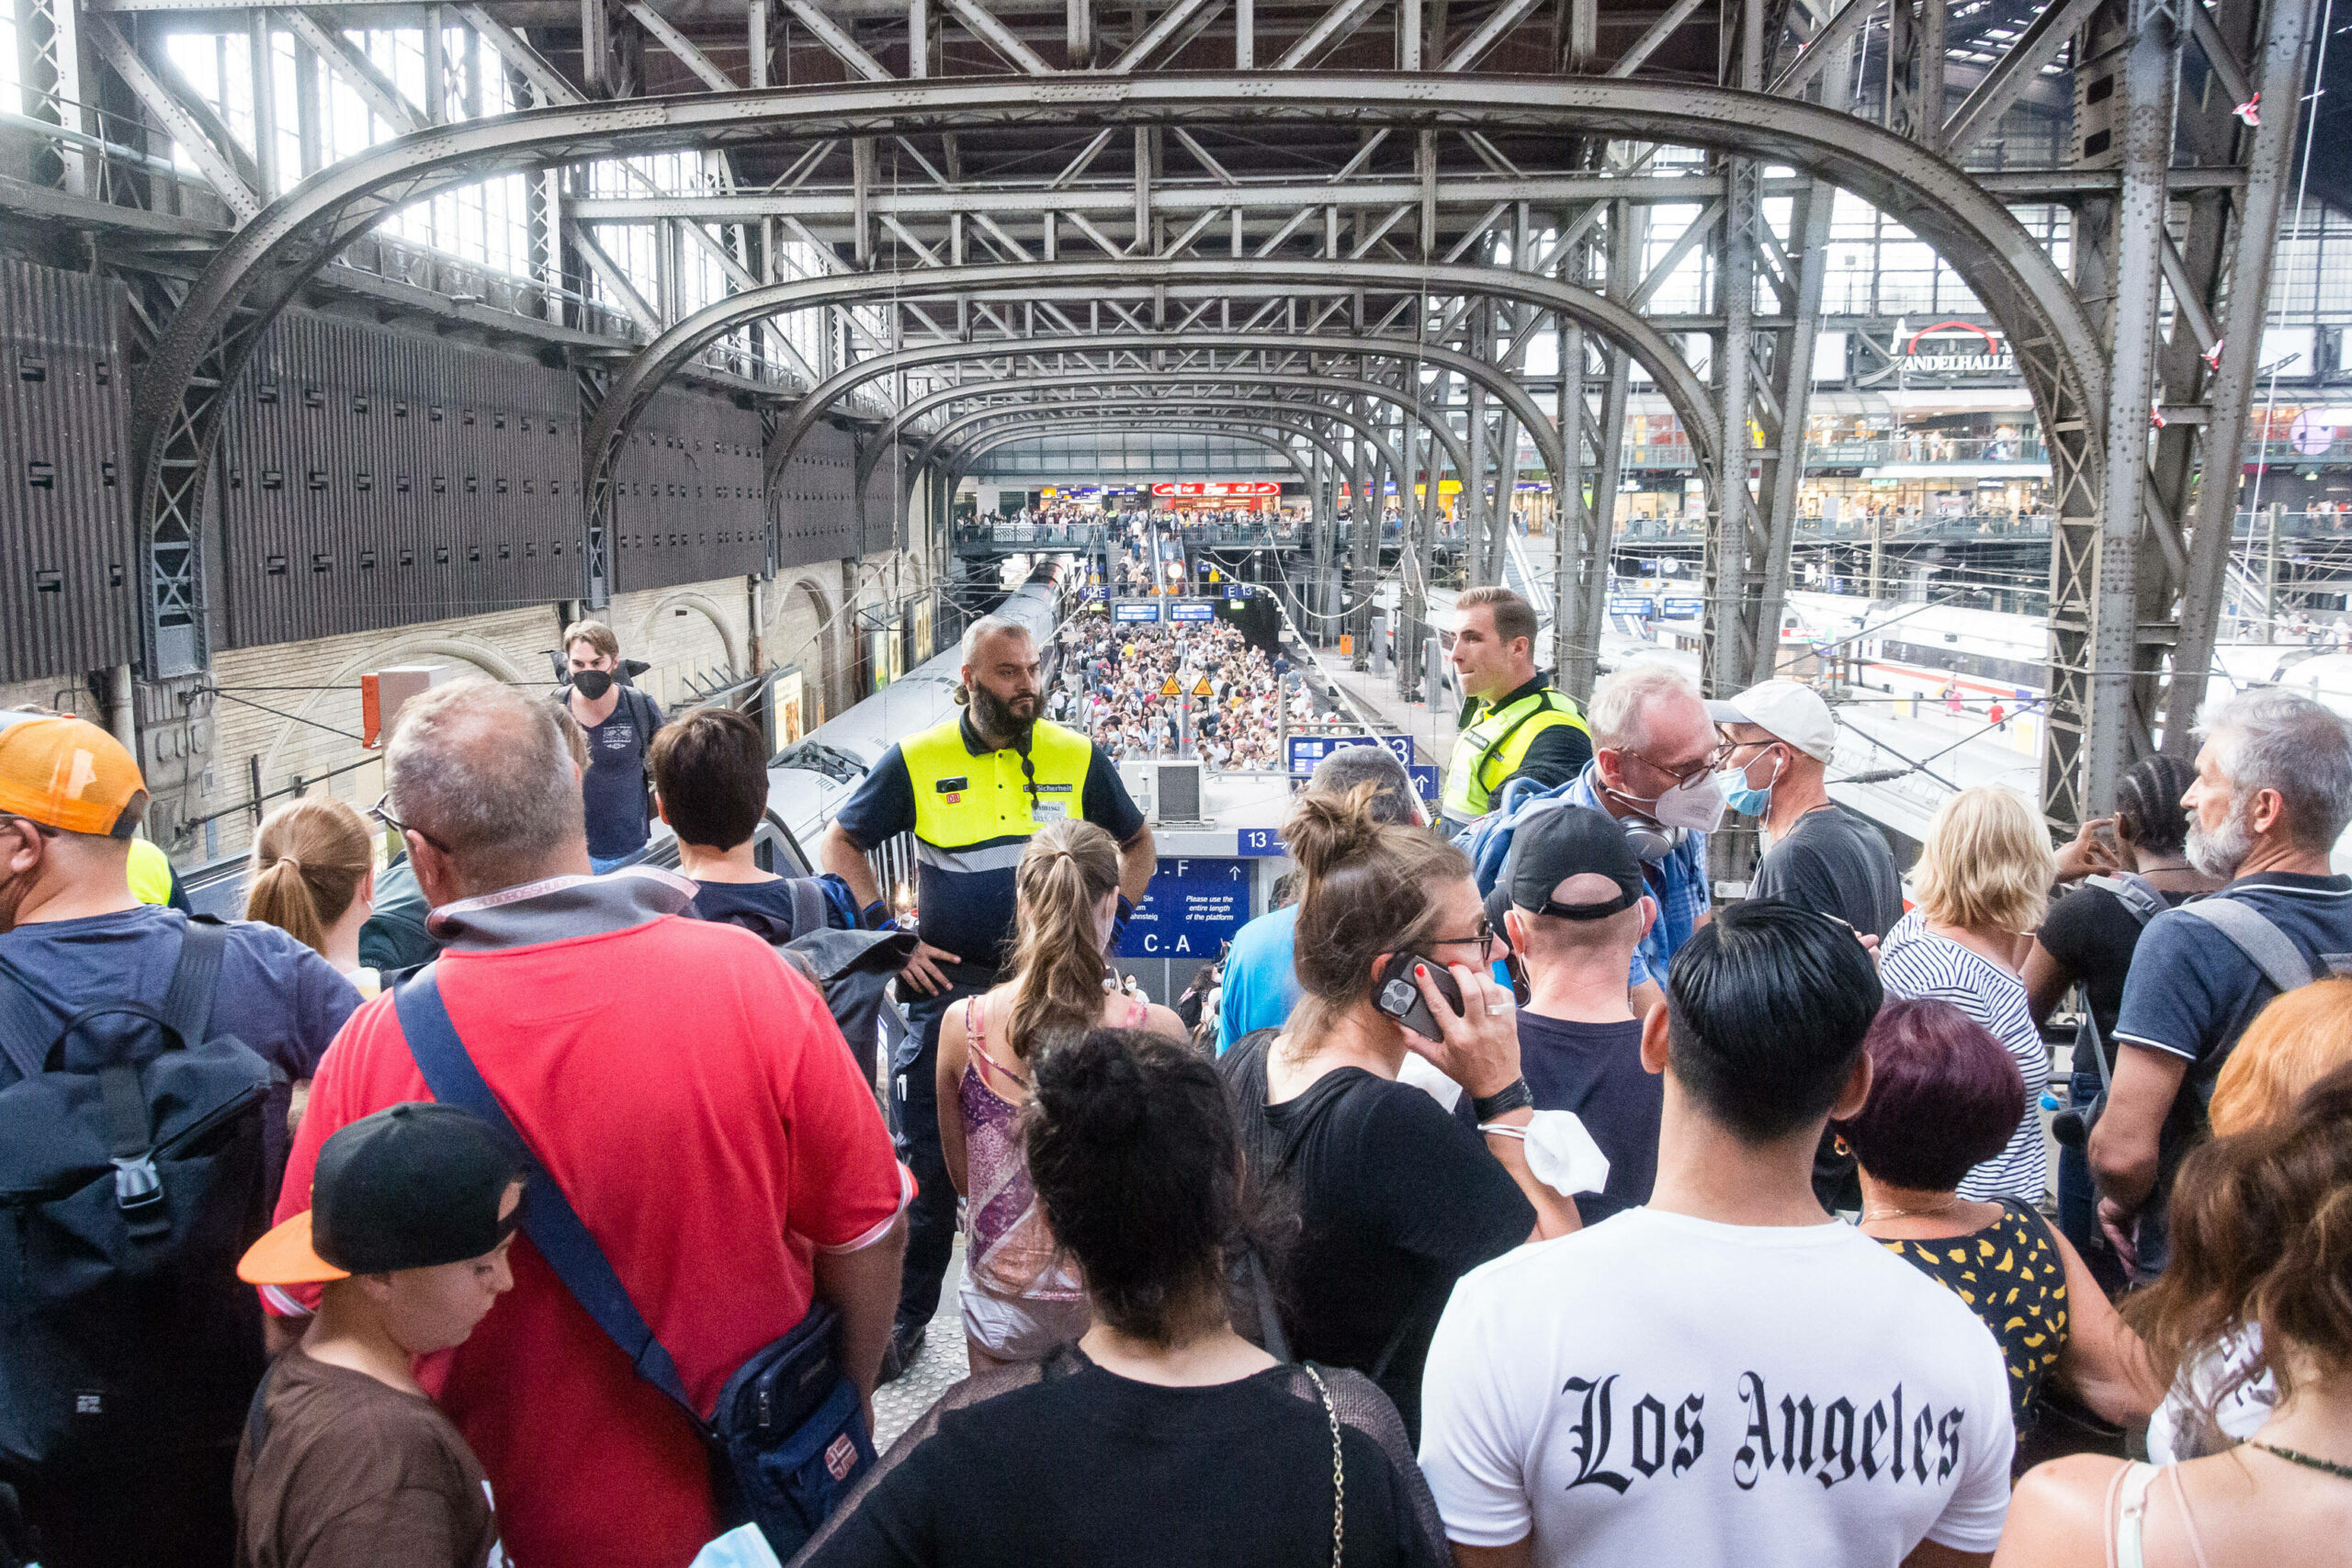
x: 970, y: 914
x: 1260, y: 983
x: 614, y: 787
x: 274, y: 995
x: 1595, y: 1071
x: 2191, y: 991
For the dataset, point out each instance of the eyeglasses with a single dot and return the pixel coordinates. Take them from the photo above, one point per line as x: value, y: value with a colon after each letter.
x: 381, y: 812
x: 1705, y: 765
x: 1483, y: 937
x: 1728, y: 747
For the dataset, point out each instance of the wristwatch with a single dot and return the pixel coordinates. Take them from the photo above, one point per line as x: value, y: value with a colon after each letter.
x: 1513, y: 1095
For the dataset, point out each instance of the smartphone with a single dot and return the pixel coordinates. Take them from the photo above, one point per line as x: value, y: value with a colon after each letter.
x: 1400, y: 995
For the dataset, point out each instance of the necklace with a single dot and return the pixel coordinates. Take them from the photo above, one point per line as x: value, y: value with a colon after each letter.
x: 2309, y: 1461
x: 1941, y: 1209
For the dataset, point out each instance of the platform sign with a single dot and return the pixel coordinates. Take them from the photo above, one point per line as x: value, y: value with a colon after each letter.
x: 1193, y: 610
x: 1685, y: 609
x: 1100, y: 593
x: 1191, y: 908
x: 1306, y: 751
x: 1135, y: 610
x: 1260, y: 842
x: 1424, y: 777
x: 1237, y: 591
x: 1633, y: 604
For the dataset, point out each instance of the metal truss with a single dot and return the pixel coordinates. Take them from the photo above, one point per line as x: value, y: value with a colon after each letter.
x: 1352, y: 229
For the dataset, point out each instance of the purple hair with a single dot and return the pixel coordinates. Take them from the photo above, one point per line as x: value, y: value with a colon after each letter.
x: 1945, y: 1097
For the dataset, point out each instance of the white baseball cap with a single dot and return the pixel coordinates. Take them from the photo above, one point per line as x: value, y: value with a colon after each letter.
x: 1788, y: 712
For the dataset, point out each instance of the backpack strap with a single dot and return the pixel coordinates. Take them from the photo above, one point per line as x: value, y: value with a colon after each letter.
x: 549, y: 1218
x: 187, y: 1003
x: 2135, y: 893
x: 2270, y: 949
x: 807, y: 906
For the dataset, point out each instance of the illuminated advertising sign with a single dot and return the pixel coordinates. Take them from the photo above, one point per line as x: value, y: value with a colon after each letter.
x: 1214, y: 490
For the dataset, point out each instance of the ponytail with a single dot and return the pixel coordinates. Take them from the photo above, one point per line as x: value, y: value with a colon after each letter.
x: 309, y: 857
x: 1058, y: 960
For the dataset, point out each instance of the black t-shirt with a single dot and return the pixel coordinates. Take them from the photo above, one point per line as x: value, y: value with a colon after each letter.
x: 2093, y: 935
x: 1093, y: 1468
x: 1834, y: 862
x: 765, y: 907
x: 1595, y: 1070
x: 1397, y: 1199
x: 613, y: 787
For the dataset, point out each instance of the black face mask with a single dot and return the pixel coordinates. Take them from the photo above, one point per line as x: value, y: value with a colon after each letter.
x: 592, y: 684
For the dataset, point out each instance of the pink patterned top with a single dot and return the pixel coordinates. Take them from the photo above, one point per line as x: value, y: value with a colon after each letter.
x: 1007, y: 1246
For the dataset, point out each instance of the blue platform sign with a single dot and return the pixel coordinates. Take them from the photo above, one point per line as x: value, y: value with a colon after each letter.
x: 1633, y: 604
x: 1135, y: 609
x: 1191, y: 911
x: 1238, y: 590
x: 1306, y: 751
x: 1424, y: 776
x: 1191, y: 610
x: 1685, y: 609
x: 1260, y: 842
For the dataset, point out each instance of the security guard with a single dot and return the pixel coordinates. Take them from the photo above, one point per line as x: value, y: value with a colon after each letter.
x: 1516, y: 725
x: 971, y: 791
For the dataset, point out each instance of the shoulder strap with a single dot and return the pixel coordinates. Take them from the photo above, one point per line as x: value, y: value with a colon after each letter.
x: 2270, y: 949
x: 2135, y: 893
x: 187, y: 1003
x: 549, y: 1218
x: 808, y: 905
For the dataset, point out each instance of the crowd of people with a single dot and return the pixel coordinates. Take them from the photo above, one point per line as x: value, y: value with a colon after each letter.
x: 1116, y: 682
x: 1530, y: 1206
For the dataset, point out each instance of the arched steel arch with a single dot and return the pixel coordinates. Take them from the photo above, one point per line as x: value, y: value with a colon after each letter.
x: 1139, y: 414
x: 811, y: 408
x: 177, y: 419
x: 1620, y: 324
x: 1296, y: 381
x: 1177, y: 425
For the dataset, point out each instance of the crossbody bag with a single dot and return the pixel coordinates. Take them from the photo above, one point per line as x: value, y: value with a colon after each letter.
x: 788, y: 1437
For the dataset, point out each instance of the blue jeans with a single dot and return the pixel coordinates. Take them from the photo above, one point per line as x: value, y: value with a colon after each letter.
x: 2078, y: 1195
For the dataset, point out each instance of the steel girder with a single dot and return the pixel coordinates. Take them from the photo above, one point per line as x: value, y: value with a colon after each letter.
x: 1273, y: 380
x: 1304, y: 417
x: 1136, y: 416
x: 669, y: 354
x: 177, y: 416
x: 1174, y: 427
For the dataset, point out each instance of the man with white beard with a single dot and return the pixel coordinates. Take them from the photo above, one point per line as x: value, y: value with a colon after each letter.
x: 2273, y: 793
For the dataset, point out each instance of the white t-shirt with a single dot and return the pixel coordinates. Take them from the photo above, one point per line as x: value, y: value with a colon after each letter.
x: 1669, y: 1390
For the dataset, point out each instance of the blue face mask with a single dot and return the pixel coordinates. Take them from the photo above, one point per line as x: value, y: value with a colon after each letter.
x: 1740, y: 796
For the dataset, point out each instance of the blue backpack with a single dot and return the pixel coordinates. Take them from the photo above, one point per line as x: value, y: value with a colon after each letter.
x: 1487, y: 841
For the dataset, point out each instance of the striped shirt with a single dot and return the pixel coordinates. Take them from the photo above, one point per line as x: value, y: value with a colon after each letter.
x: 1917, y: 964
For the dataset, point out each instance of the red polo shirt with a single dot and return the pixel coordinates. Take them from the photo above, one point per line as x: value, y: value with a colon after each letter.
x: 695, y: 1102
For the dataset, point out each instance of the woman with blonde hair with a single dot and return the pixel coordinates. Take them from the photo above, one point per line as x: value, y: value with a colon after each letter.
x: 1020, y: 1299
x: 1980, y: 889
x: 313, y: 877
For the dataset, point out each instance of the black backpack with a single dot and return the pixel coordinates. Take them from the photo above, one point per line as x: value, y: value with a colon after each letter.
x: 127, y: 1192
x: 852, y: 970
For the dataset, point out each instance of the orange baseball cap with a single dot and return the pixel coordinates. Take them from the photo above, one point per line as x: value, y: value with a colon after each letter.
x: 68, y: 774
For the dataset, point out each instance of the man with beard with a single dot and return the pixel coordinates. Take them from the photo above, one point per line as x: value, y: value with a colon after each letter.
x: 971, y: 791
x: 2272, y: 795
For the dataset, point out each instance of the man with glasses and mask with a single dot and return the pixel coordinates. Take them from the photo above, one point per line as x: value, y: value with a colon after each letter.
x: 1779, y: 741
x: 73, y: 937
x: 619, y: 721
x: 971, y: 791
x: 1653, y: 770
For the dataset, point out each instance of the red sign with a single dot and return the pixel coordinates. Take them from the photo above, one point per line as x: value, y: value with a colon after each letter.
x: 1218, y: 489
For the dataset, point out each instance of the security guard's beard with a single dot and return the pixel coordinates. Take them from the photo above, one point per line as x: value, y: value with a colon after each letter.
x: 1001, y: 722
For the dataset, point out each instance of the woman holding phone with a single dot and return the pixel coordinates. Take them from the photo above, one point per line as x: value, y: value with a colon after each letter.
x: 1397, y: 1197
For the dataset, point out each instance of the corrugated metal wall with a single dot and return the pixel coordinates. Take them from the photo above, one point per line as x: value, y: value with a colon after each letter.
x: 376, y: 478
x: 886, y: 500
x: 819, y: 523
x: 690, y: 504
x: 68, y: 569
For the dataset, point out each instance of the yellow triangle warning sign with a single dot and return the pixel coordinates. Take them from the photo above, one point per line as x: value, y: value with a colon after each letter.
x: 1203, y: 689
x: 1168, y: 688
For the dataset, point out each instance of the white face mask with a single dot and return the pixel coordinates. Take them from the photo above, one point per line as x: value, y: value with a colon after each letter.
x: 1696, y: 804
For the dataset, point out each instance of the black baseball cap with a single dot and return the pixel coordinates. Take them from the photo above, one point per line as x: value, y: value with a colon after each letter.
x: 412, y: 1185
x: 1550, y: 847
